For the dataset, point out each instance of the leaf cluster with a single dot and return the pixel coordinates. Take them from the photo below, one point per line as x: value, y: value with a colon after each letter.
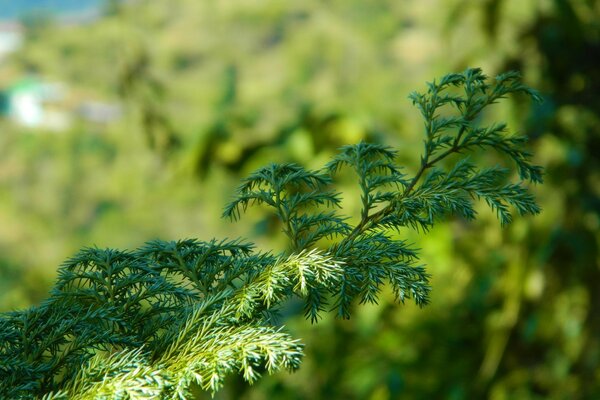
x: 153, y: 322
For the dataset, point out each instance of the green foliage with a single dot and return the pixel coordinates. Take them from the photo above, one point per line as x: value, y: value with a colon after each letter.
x: 153, y: 322
x: 293, y: 192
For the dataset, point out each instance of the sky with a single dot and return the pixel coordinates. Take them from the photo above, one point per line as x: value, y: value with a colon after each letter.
x: 13, y: 9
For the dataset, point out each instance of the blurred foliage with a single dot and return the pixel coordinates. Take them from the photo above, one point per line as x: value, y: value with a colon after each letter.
x: 219, y: 88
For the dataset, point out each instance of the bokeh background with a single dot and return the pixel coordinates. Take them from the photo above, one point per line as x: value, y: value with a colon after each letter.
x: 124, y: 121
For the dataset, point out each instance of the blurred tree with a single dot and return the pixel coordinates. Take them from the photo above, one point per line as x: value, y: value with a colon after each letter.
x: 138, y: 86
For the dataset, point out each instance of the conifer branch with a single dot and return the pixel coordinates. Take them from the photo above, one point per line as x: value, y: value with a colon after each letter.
x: 152, y: 322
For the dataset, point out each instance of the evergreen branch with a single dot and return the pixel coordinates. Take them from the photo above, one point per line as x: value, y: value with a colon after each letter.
x: 151, y: 322
x: 291, y: 190
x: 478, y: 95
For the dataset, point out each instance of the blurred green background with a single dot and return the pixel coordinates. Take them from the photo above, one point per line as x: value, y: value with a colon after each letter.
x: 124, y: 121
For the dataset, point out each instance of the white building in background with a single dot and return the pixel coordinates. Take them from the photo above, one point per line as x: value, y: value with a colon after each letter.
x: 33, y: 104
x: 11, y: 38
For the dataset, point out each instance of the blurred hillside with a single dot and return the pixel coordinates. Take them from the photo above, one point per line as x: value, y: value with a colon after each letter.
x: 139, y: 123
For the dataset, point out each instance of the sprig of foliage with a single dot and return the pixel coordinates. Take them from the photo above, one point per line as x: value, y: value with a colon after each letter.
x: 153, y: 322
x: 293, y: 192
